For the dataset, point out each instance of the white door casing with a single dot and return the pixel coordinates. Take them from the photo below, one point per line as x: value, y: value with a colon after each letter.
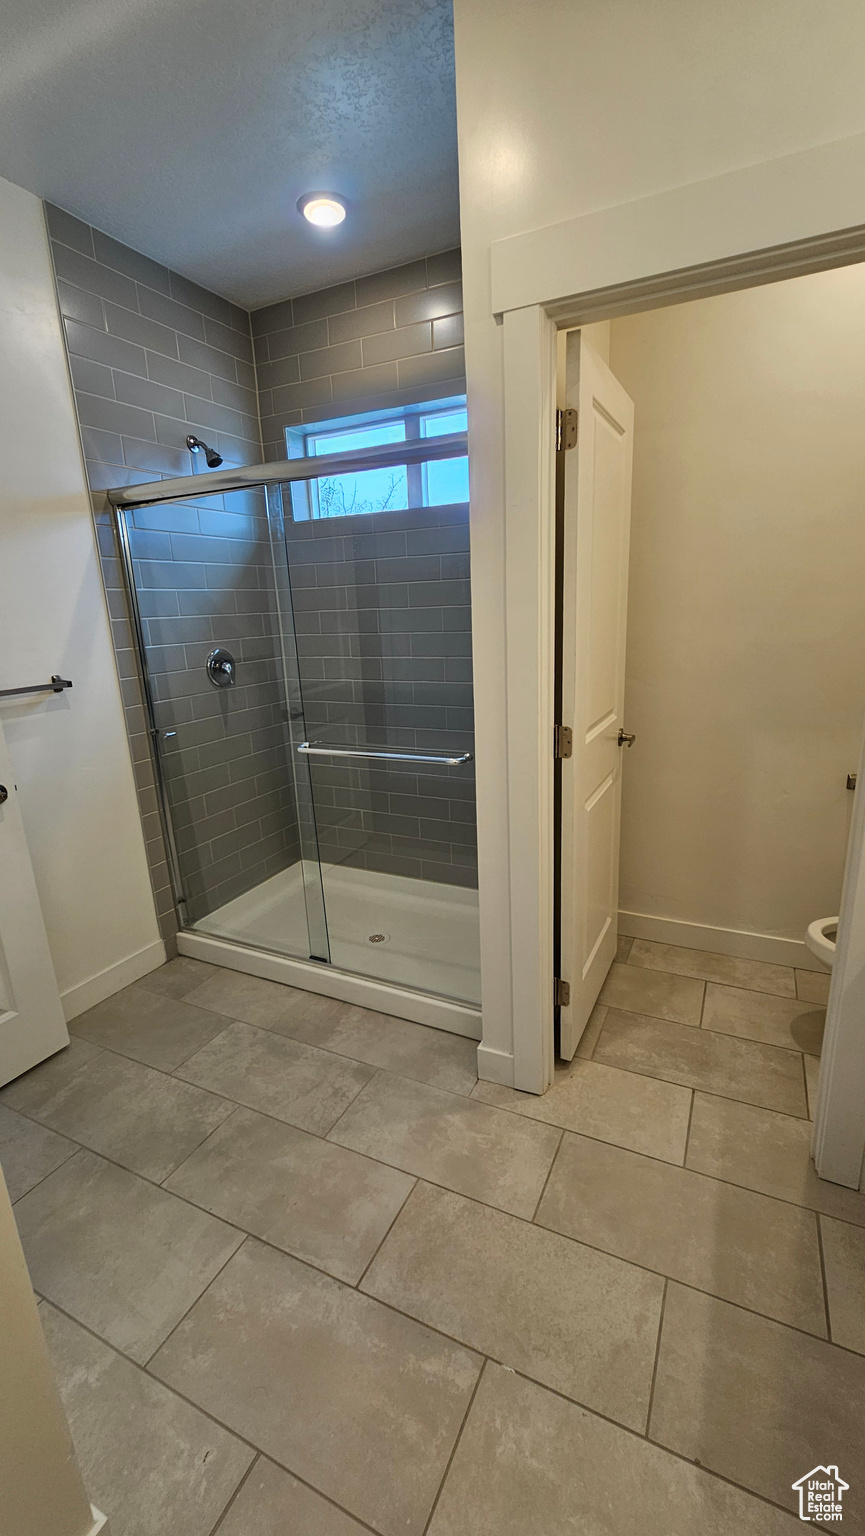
x: 597, y: 516
x: 32, y: 1022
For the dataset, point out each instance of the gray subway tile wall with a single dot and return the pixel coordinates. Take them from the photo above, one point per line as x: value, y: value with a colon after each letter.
x: 394, y: 338
x: 382, y: 611
x: 153, y: 357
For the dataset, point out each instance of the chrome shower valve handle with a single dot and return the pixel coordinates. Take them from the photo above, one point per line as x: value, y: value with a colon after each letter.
x: 220, y: 668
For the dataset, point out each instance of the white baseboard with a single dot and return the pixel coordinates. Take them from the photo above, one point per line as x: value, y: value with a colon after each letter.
x: 439, y: 1012
x: 100, y: 1523
x: 718, y: 941
x: 88, y: 993
x: 495, y: 1066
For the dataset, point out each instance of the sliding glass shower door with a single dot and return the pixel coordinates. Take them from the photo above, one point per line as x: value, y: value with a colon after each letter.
x: 308, y: 691
x: 379, y: 607
x: 204, y: 605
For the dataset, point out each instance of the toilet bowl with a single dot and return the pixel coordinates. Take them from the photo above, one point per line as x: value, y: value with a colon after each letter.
x: 820, y: 939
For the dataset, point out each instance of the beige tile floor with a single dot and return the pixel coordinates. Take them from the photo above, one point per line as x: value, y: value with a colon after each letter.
x: 300, y: 1272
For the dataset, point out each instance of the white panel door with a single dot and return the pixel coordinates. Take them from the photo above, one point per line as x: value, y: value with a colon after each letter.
x: 596, y: 519
x: 32, y: 1023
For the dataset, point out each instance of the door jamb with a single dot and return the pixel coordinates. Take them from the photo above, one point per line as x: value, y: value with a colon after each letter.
x: 529, y: 379
x: 529, y: 417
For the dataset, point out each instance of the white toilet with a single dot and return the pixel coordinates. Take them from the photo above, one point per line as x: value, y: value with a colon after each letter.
x: 820, y: 939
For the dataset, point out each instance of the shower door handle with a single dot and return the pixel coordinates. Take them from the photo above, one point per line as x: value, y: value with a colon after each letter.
x: 321, y: 749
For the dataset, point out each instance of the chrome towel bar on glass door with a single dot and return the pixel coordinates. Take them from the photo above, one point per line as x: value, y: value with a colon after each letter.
x: 321, y: 749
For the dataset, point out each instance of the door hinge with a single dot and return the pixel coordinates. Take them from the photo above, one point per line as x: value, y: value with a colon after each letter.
x: 566, y: 429
x: 561, y: 992
x: 563, y: 741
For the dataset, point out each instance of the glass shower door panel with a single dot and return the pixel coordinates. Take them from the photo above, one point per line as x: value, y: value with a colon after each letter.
x: 204, y: 586
x: 382, y: 616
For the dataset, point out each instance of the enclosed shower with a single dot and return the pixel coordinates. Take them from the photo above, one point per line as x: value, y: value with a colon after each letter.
x: 307, y: 677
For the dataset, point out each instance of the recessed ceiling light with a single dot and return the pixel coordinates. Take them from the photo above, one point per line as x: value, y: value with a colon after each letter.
x: 323, y: 209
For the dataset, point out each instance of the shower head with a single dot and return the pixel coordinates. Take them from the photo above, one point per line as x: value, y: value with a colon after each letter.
x: 195, y: 445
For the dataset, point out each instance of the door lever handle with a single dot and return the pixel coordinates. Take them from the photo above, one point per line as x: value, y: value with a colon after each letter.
x: 626, y: 738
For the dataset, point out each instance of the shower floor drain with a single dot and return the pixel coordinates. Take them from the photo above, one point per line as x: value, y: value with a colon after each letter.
x: 378, y: 938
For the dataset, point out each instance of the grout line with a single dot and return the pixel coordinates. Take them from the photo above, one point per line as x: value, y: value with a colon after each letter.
x: 371, y: 1079
x: 170, y: 1334
x: 250, y: 1469
x: 703, y: 1004
x: 76, y: 1148
x: 79, y: 1148
x: 161, y: 1183
x: 805, y: 1086
x: 455, y: 1446
x: 257, y: 390
x: 651, y: 1401
x: 253, y: 361
x: 684, y: 1163
x: 547, y: 1179
x: 367, y: 1267
x: 595, y: 1043
x: 823, y: 1277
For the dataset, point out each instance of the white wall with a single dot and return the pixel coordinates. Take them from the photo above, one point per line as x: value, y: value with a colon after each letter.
x: 746, y: 626
x: 70, y: 750
x: 566, y: 109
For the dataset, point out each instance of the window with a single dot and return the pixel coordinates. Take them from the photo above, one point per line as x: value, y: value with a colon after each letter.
x: 380, y: 490
x: 446, y: 481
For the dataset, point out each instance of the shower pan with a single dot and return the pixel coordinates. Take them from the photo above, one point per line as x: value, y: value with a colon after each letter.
x: 307, y: 682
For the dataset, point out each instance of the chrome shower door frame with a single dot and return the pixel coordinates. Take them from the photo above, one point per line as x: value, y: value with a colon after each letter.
x: 304, y: 800
x: 121, y: 528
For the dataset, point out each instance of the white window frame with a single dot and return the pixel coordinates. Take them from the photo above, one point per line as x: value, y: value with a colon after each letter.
x: 304, y: 494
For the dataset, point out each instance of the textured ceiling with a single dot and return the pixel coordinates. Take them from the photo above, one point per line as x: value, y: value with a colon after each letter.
x: 189, y: 129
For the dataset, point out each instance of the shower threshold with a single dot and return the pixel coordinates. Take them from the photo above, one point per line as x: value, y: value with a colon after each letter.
x: 419, y: 937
